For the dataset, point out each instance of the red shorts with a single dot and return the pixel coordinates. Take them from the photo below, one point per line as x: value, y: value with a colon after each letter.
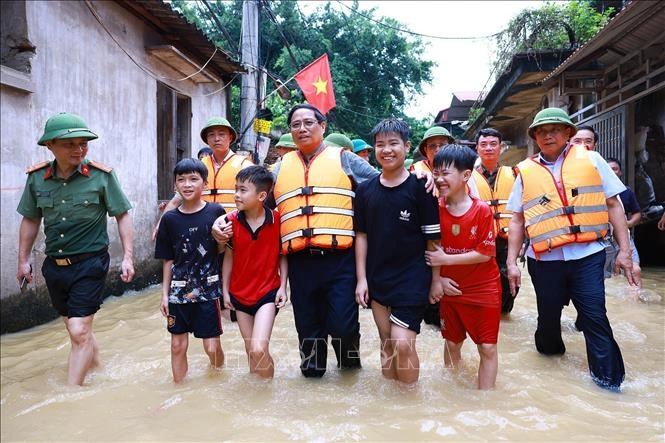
x: 480, y: 322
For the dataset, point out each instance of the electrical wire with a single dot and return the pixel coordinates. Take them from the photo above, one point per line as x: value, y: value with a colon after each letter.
x: 271, y: 16
x: 406, y: 31
x: 148, y: 71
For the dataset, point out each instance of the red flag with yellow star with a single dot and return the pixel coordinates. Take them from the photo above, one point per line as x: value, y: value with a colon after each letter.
x: 315, y: 81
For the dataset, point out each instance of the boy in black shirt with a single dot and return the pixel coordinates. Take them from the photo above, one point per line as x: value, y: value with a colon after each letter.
x: 191, y: 288
x: 395, y: 220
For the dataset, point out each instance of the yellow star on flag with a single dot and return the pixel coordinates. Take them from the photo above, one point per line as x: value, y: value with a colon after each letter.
x: 321, y: 86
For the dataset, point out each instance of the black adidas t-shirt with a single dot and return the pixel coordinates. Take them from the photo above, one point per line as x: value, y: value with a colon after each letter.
x: 398, y: 222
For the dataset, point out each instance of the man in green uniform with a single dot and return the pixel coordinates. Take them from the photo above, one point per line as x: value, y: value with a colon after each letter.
x: 73, y: 195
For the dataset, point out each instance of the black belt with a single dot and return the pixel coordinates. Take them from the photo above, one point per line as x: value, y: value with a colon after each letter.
x: 322, y: 251
x: 71, y: 259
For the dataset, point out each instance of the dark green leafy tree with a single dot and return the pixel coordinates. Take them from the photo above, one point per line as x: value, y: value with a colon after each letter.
x: 376, y: 70
x: 554, y: 26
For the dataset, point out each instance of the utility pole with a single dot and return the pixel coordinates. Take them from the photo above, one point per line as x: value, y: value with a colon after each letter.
x: 250, y: 59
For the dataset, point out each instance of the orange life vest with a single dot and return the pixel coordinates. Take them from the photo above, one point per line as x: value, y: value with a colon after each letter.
x: 576, y: 213
x: 421, y: 165
x: 315, y: 202
x: 222, y: 184
x: 497, y: 197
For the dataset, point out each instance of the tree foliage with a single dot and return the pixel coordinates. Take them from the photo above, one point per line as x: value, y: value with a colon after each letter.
x: 376, y: 70
x: 554, y: 26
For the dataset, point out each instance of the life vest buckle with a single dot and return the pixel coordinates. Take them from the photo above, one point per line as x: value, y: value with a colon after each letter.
x: 575, y: 229
x: 307, y: 210
x: 307, y: 232
x: 574, y: 192
x: 307, y: 190
x: 496, y: 215
x: 493, y: 202
x: 214, y: 191
x: 567, y: 210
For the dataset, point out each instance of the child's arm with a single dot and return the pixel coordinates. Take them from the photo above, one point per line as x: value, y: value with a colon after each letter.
x: 222, y: 231
x: 440, y: 258
x: 166, y: 286
x: 227, y: 267
x: 436, y: 288
x: 362, y: 294
x: 282, y: 297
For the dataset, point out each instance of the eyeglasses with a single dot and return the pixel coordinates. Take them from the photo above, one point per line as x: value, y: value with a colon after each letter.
x: 308, y: 124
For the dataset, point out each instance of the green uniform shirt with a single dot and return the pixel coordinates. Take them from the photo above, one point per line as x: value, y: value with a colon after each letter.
x: 74, y: 210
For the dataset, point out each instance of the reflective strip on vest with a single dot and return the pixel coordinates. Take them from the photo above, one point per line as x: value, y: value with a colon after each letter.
x: 309, y: 190
x: 543, y: 200
x: 308, y: 210
x: 565, y: 210
x: 571, y: 230
x: 316, y: 231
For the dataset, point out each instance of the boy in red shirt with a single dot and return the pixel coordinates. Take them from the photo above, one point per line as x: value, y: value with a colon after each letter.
x: 470, y: 276
x: 254, y: 274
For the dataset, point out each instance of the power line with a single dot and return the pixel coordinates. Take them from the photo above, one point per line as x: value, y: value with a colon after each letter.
x: 266, y: 8
x: 406, y: 31
x: 223, y: 30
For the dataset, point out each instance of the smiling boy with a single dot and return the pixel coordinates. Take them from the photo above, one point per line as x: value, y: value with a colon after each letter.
x: 254, y: 272
x: 395, y: 220
x: 190, y: 286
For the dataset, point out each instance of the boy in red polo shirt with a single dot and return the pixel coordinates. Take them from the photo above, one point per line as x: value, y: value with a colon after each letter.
x: 471, y: 301
x: 253, y: 273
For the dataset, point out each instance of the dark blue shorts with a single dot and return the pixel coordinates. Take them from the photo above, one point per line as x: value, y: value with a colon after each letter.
x: 203, y: 319
x: 252, y: 310
x: 77, y: 290
x: 408, y: 317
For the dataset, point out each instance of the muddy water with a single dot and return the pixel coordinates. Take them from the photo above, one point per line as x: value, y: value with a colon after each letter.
x: 131, y: 397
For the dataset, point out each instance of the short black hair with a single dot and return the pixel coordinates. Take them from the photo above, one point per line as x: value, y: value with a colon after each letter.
x: 259, y: 176
x: 615, y: 160
x: 394, y: 125
x: 204, y: 151
x: 317, y: 114
x: 458, y: 156
x: 489, y: 132
x: 590, y: 128
x: 187, y: 165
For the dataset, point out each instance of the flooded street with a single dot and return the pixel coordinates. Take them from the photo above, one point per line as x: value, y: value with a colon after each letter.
x: 131, y: 396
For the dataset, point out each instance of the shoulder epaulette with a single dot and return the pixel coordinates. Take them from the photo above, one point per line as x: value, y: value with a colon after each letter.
x: 37, y: 166
x: 100, y: 166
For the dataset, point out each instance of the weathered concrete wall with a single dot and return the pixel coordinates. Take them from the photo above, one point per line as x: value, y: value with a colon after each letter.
x: 79, y: 68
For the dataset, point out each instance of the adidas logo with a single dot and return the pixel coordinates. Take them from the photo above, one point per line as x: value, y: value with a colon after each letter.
x: 404, y: 215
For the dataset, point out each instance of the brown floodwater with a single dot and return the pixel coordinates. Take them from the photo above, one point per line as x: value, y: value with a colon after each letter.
x: 131, y: 396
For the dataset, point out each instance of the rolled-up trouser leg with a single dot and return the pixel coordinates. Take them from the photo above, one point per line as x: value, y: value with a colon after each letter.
x: 549, y: 282
x: 588, y: 296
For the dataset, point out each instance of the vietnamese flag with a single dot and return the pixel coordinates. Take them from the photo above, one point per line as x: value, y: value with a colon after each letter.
x: 315, y: 82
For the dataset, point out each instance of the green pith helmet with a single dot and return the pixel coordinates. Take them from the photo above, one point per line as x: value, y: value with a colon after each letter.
x: 360, y: 145
x: 286, y: 141
x: 338, y: 140
x: 434, y: 131
x: 65, y: 125
x: 218, y: 121
x: 551, y: 116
